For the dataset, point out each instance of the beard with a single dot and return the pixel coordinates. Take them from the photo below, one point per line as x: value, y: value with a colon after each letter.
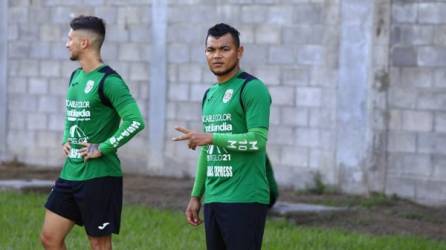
x: 74, y: 58
x: 225, y: 71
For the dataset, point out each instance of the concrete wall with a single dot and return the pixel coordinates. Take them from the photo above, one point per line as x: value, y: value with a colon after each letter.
x: 417, y: 101
x: 38, y: 69
x: 3, y: 76
x: 358, y: 86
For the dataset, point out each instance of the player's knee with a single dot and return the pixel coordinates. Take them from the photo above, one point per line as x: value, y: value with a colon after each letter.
x: 100, y: 242
x: 49, y: 241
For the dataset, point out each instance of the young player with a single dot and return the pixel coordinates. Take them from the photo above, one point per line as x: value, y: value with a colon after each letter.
x: 101, y: 116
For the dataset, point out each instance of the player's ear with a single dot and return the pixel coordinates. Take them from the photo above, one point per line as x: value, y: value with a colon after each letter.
x: 240, y: 52
x: 85, y: 42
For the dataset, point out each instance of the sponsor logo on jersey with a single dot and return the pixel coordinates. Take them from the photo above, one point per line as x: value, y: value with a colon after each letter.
x: 76, y: 136
x: 89, y: 86
x: 228, y: 95
x: 224, y: 127
x: 219, y: 171
x: 76, y: 132
x: 81, y: 115
x: 216, y: 117
x: 78, y: 110
x: 216, y: 153
x: 213, y: 149
x: 77, y: 104
x: 125, y: 133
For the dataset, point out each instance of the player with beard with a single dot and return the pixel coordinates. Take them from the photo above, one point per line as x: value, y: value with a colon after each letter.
x: 231, y: 173
x: 101, y: 116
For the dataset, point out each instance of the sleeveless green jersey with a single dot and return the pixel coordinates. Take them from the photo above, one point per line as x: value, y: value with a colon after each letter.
x: 89, y: 119
x: 236, y: 175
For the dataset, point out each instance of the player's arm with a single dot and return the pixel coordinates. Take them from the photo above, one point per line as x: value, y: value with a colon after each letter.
x: 132, y: 121
x: 254, y: 140
x: 193, y: 208
x: 200, y: 175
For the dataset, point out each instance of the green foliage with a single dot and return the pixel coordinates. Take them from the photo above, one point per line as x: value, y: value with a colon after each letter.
x: 14, y: 162
x: 21, y: 218
x: 319, y: 187
x: 378, y: 199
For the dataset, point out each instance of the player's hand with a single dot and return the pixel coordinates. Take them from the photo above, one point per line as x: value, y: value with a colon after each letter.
x: 194, y: 138
x: 66, y: 148
x: 193, y: 211
x: 90, y: 151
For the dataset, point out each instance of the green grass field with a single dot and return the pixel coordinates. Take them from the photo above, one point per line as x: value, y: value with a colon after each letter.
x: 21, y: 217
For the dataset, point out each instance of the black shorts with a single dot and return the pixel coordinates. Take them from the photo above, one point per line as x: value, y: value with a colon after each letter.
x: 95, y: 203
x: 234, y: 226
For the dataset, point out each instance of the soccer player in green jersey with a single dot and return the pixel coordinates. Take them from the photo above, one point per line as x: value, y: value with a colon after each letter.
x: 101, y: 115
x: 231, y: 172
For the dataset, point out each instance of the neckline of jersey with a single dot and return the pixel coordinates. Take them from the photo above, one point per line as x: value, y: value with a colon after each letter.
x: 221, y: 84
x: 93, y: 71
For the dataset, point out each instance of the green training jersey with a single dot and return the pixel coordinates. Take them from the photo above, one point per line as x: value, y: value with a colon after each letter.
x: 89, y: 119
x: 236, y: 173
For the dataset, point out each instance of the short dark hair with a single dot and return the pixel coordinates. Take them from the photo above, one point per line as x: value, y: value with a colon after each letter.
x: 222, y: 29
x: 91, y: 23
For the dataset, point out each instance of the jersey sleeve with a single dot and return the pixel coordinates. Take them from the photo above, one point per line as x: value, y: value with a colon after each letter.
x: 257, y: 102
x: 200, y: 175
x: 125, y: 105
x: 254, y: 140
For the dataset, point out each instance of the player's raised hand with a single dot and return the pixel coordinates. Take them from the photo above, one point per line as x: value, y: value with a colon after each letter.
x: 185, y: 136
x: 194, y: 138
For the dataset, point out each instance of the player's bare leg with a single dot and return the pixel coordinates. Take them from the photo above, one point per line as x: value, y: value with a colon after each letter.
x: 54, y: 230
x: 101, y: 243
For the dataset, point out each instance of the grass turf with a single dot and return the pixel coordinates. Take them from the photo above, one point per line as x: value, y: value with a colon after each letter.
x: 21, y: 217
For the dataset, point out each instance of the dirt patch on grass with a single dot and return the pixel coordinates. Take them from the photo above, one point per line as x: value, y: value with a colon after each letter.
x: 377, y: 214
